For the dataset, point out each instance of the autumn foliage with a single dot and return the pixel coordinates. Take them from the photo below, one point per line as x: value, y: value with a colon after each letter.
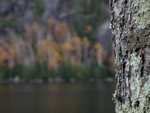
x: 55, y: 46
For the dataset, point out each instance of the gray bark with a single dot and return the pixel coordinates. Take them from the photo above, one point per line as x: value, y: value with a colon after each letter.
x: 130, y: 24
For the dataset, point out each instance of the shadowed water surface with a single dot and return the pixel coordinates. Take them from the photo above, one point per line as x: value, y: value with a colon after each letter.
x: 57, y: 98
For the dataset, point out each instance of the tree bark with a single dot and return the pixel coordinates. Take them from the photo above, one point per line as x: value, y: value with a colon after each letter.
x: 130, y: 24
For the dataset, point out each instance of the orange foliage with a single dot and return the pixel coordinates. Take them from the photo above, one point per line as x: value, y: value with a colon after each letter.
x: 61, y: 32
x: 48, y: 51
x: 76, y: 42
x: 112, y: 64
x: 32, y: 32
x: 89, y: 28
x: 100, y: 49
x: 7, y: 56
x: 67, y: 47
x: 52, y: 64
x: 51, y: 22
x: 55, y: 47
x: 98, y: 46
x: 57, y: 56
x: 3, y: 57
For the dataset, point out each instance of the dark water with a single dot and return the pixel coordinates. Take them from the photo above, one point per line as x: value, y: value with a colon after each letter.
x: 57, y: 98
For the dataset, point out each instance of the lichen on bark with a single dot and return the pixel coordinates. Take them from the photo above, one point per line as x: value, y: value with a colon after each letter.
x: 140, y: 99
x: 130, y: 24
x: 135, y: 61
x: 142, y: 17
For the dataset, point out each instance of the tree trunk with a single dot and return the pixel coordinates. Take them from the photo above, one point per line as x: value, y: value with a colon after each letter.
x: 130, y: 24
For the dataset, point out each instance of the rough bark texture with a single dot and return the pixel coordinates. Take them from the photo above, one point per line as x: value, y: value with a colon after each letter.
x: 130, y: 24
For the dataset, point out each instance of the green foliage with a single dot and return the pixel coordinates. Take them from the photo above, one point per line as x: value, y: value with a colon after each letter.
x: 88, y: 15
x: 38, y: 9
x: 82, y: 72
x: 37, y: 71
x: 9, y: 22
x: 106, y: 1
x: 66, y: 72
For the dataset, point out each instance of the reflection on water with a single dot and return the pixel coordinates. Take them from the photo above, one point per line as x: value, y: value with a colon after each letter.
x: 57, y: 98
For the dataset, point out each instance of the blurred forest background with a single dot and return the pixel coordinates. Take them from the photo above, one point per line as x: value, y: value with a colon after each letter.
x: 67, y: 39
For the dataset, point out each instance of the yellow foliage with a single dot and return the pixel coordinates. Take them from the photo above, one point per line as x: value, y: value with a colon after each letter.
x: 57, y: 56
x: 54, y: 47
x: 48, y: 50
x: 67, y: 47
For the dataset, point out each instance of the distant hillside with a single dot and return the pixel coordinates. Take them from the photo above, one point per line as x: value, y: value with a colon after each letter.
x: 55, y: 38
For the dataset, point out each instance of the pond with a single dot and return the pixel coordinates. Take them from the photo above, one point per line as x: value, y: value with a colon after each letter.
x: 57, y: 98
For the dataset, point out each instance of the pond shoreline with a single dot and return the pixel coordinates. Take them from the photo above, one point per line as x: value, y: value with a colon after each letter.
x: 18, y: 80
